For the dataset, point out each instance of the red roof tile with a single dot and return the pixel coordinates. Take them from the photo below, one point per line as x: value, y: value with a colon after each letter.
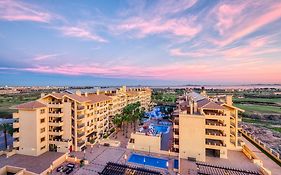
x: 98, y: 98
x: 30, y: 105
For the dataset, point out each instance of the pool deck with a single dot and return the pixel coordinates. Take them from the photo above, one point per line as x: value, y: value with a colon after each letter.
x: 98, y: 156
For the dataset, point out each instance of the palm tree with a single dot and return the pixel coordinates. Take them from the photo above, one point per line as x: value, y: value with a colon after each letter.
x: 117, y: 121
x: 7, y: 129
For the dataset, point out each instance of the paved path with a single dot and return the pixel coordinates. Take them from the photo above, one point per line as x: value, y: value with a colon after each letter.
x: 267, y: 162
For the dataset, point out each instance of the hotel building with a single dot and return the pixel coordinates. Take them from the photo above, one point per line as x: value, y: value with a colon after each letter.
x: 69, y: 121
x: 205, y: 126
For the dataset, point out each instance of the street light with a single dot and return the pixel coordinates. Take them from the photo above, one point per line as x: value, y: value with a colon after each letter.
x: 125, y: 158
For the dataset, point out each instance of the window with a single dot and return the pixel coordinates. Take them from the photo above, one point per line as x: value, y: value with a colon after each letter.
x: 42, y: 111
x: 132, y: 140
x: 43, y: 139
x: 43, y: 147
x: 42, y: 120
x: 42, y: 130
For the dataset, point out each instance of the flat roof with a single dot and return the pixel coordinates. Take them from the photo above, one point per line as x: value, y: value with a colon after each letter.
x: 36, y: 164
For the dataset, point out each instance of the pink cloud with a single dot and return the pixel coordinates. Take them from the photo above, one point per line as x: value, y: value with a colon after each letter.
x: 19, y: 11
x: 233, y: 24
x: 197, y: 53
x: 178, y: 27
x: 80, y: 32
x: 45, y: 56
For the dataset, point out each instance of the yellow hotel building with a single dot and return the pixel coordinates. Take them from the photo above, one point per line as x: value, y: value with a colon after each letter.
x: 205, y: 126
x: 69, y: 121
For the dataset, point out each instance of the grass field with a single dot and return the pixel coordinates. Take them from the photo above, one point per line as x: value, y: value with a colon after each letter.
x: 249, y: 108
x: 6, y: 101
x: 263, y: 123
x: 265, y: 100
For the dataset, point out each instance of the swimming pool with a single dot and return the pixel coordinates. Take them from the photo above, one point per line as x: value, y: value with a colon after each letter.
x: 147, y: 160
x: 161, y: 128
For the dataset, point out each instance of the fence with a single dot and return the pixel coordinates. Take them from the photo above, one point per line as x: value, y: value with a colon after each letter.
x: 262, y: 145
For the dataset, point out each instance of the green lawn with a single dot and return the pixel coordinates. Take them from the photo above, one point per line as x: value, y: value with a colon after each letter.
x: 270, y: 100
x: 6, y: 101
x: 259, y: 108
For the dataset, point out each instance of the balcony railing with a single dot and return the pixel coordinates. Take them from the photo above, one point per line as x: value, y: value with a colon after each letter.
x: 215, y: 143
x: 215, y: 133
x: 80, y: 143
x: 81, y: 134
x: 80, y: 107
x: 79, y: 117
x: 215, y: 123
x: 80, y: 125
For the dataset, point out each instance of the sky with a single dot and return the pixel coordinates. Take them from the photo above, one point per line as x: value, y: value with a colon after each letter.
x: 139, y: 42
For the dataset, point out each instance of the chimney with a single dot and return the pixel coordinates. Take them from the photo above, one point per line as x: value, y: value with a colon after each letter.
x: 228, y: 99
x: 86, y: 94
x: 203, y: 91
x: 43, y: 94
x: 78, y: 92
x: 191, y: 107
x: 195, y: 106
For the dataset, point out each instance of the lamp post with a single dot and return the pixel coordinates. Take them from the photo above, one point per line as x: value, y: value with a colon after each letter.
x: 84, y: 154
x: 91, y: 148
x: 125, y: 158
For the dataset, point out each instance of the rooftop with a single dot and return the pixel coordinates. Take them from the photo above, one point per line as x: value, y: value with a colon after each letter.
x: 122, y: 169
x: 36, y: 164
x: 30, y: 105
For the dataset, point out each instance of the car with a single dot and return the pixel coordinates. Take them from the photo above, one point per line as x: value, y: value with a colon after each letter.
x: 70, y: 165
x: 65, y: 169
x: 69, y: 171
x: 60, y: 169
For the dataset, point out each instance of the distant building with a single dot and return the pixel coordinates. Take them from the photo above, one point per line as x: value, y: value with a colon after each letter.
x: 205, y: 126
x: 69, y: 121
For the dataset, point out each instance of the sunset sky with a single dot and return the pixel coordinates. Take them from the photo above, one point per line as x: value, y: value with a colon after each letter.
x: 113, y: 42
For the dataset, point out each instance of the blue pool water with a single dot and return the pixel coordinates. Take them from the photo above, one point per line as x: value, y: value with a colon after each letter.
x: 147, y: 160
x: 161, y: 128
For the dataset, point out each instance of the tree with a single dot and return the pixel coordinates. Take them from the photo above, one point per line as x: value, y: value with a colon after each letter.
x: 7, y: 129
x: 117, y: 121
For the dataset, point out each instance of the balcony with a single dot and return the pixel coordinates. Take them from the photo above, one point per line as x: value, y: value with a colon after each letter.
x: 215, y: 143
x: 79, y: 135
x: 16, y: 134
x: 79, y: 107
x: 56, y: 132
x: 81, y: 116
x: 214, y: 123
x: 16, y: 144
x: 55, y: 105
x: 16, y: 125
x: 56, y: 123
x: 80, y: 126
x: 55, y: 114
x: 16, y: 115
x: 80, y: 143
x: 214, y: 133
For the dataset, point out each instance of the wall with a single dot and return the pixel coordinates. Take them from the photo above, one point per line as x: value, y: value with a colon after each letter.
x: 28, y: 132
x: 191, y: 138
x: 145, y: 143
